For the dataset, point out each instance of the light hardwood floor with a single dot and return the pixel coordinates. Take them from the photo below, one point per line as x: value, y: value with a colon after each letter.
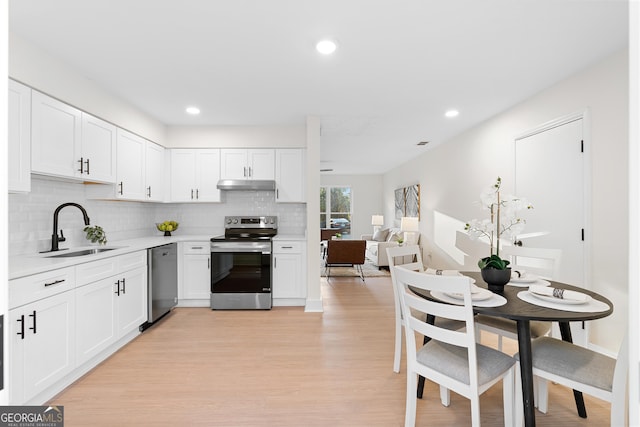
x: 282, y: 367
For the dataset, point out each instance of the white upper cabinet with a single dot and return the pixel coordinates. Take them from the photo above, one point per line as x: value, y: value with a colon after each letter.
x: 19, y: 124
x: 247, y: 163
x: 97, y: 153
x: 55, y: 133
x: 68, y: 143
x: 131, y: 175
x: 195, y: 174
x: 155, y: 173
x: 290, y: 176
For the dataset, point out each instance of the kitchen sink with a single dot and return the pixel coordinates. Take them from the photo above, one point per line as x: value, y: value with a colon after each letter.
x: 83, y: 252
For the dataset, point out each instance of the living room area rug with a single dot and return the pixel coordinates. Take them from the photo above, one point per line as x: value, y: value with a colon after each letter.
x: 368, y: 269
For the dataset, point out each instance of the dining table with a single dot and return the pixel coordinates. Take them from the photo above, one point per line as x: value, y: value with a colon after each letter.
x: 522, y: 307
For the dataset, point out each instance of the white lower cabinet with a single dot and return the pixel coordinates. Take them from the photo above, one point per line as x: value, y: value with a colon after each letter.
x: 42, y: 344
x: 62, y: 319
x: 289, y: 284
x: 196, y: 274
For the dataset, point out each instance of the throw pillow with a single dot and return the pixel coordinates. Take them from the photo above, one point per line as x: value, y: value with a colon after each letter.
x: 393, y: 236
x: 381, y: 235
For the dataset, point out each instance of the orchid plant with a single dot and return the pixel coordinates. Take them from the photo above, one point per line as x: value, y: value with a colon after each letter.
x: 503, y: 222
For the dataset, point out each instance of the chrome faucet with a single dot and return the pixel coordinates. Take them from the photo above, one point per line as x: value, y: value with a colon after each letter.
x: 55, y: 239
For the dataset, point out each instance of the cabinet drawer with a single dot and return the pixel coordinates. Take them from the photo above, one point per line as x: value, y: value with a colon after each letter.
x: 38, y: 286
x: 198, y: 248
x: 96, y: 270
x: 133, y: 260
x: 287, y: 247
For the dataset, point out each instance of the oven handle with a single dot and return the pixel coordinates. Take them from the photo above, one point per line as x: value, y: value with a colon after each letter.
x: 235, y: 249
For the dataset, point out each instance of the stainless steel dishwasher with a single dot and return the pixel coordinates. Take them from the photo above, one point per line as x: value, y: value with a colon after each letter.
x: 162, y: 264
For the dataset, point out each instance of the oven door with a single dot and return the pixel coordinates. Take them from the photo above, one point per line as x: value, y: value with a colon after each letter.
x: 241, y: 275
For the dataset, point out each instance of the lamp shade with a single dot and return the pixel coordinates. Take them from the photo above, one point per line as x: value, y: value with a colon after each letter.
x: 409, y: 223
x: 377, y: 220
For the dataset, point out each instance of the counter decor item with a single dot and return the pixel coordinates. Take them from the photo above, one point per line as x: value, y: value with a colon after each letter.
x: 167, y: 227
x: 503, y: 222
x: 96, y: 234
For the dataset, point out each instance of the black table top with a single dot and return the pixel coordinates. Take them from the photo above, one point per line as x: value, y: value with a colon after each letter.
x: 517, y: 309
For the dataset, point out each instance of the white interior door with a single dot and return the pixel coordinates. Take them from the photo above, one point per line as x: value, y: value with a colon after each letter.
x: 550, y: 174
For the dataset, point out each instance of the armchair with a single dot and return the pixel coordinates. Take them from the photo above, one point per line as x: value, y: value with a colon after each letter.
x: 343, y: 253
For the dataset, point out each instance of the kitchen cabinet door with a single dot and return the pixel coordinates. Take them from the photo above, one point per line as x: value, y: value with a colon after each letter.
x: 196, y: 277
x: 155, y: 172
x: 19, y: 127
x: 131, y: 167
x: 42, y: 348
x: 233, y: 163
x: 132, y: 301
x: 290, y: 175
x: 289, y: 284
x: 96, y: 318
x: 261, y: 163
x: 55, y: 134
x: 207, y: 175
x: 97, y: 153
x: 195, y: 175
x: 240, y: 163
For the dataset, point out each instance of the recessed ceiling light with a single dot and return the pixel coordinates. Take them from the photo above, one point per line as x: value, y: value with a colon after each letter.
x: 326, y: 47
x: 452, y: 113
x: 193, y: 110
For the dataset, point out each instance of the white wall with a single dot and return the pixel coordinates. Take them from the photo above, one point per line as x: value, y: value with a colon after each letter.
x: 36, y: 68
x: 236, y: 136
x: 367, y: 196
x: 452, y: 175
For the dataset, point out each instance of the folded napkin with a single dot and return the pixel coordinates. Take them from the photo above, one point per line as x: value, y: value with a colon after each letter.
x: 558, y: 293
x: 518, y: 274
x: 442, y: 272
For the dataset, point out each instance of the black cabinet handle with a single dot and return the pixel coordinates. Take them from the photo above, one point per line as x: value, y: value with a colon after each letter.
x: 87, y: 162
x: 245, y: 172
x: 149, y: 191
x: 121, y: 188
x: 197, y: 194
x: 81, y: 164
x: 34, y: 322
x: 54, y: 282
x: 21, y: 320
x: 192, y: 194
x: 123, y: 286
x: 117, y: 292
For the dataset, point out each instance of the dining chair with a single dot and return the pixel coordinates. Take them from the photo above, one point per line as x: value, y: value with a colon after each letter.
x: 410, y: 258
x: 542, y: 262
x: 580, y: 369
x: 453, y: 359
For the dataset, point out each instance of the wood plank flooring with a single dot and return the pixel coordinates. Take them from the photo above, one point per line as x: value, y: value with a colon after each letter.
x: 281, y: 367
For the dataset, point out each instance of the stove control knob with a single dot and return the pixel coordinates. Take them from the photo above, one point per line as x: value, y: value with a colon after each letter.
x: 235, y: 220
x: 273, y: 220
x: 228, y: 220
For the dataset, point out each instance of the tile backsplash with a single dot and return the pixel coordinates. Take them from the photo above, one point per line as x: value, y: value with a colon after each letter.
x: 31, y: 215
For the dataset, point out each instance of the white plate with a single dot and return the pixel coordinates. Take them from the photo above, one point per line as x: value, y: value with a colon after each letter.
x: 527, y: 278
x: 477, y: 294
x: 538, y: 282
x: 560, y: 300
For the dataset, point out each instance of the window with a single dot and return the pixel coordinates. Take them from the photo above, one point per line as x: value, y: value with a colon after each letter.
x: 335, y: 209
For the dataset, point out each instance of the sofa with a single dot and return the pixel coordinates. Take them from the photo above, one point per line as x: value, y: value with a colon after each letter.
x: 378, y: 243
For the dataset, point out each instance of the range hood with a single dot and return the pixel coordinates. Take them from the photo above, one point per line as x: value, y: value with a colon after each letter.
x: 246, y: 185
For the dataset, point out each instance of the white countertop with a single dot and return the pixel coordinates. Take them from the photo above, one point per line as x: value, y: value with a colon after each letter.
x: 26, y: 265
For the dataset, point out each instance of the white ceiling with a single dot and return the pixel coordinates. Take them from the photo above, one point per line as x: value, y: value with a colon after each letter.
x: 399, y: 65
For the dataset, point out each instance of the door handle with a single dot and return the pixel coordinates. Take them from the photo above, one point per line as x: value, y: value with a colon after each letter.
x: 21, y: 320
x: 33, y: 328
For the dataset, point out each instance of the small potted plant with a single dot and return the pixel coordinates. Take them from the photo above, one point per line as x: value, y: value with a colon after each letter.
x: 337, y: 236
x: 503, y: 222
x: 96, y: 234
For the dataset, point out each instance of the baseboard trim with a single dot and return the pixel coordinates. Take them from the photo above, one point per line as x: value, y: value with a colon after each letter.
x: 314, y: 306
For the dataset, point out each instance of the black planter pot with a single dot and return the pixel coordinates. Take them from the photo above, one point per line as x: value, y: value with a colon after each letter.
x: 496, y: 279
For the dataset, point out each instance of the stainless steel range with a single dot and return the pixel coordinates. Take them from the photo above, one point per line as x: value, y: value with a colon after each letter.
x: 241, y: 263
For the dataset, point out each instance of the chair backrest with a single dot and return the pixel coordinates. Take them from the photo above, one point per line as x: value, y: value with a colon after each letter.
x: 398, y: 256
x: 416, y: 308
x: 346, y: 251
x: 328, y: 233
x: 543, y: 262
